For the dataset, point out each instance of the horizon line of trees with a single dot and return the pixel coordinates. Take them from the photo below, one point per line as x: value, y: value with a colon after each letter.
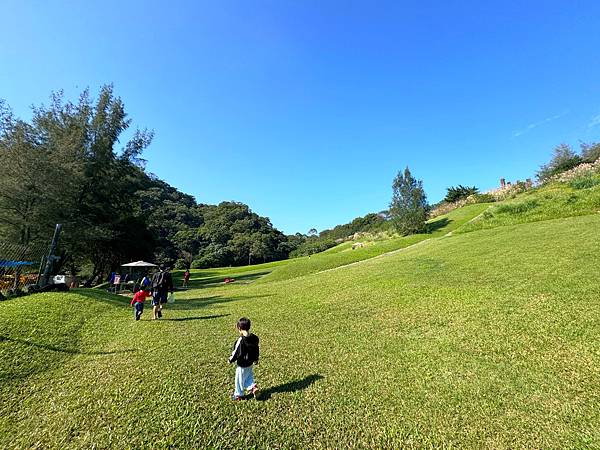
x: 66, y: 165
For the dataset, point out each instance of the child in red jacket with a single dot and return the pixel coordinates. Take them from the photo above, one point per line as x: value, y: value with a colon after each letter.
x: 138, y: 302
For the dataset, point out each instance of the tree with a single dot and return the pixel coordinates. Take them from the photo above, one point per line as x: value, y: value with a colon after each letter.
x: 590, y: 152
x: 408, y: 208
x: 459, y: 192
x: 64, y: 167
x: 563, y: 159
x: 234, y: 235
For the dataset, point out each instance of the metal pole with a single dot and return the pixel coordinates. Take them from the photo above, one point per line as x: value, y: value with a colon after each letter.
x: 51, y: 258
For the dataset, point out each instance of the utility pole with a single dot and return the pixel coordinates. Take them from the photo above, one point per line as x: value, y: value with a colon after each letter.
x: 51, y: 258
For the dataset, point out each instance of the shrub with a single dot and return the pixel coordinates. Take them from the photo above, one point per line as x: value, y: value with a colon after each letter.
x: 206, y: 261
x: 481, y: 198
x: 564, y: 159
x: 517, y: 208
x: 510, y: 191
x: 590, y: 152
x: 586, y: 182
x: 311, y: 247
x: 460, y: 192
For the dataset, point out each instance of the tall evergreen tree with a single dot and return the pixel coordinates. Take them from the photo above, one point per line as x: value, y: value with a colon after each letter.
x: 408, y: 209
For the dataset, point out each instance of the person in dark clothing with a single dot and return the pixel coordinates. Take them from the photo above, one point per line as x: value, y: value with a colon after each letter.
x: 186, y: 277
x: 245, y: 353
x: 162, y: 284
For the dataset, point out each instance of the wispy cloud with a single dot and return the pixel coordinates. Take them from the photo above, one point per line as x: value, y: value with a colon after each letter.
x: 595, y: 121
x: 531, y: 126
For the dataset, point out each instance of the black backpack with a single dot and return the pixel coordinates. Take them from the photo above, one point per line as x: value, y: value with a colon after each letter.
x: 159, y: 280
x: 250, y: 349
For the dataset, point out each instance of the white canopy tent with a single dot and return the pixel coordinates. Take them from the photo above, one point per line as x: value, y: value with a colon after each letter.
x: 130, y: 285
x: 139, y: 264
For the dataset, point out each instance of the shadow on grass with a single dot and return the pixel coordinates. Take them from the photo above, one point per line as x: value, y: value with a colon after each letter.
x: 437, y: 224
x: 185, y: 319
x: 199, y: 303
x: 292, y: 386
x: 60, y: 349
x: 179, y: 305
x: 103, y: 296
x: 208, y: 280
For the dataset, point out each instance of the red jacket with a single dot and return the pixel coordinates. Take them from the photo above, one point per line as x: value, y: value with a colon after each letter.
x: 139, y: 297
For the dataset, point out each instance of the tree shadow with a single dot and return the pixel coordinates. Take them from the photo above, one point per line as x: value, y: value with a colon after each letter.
x: 60, y: 349
x: 185, y: 319
x: 292, y: 386
x: 199, y: 303
x: 208, y: 279
x: 438, y: 224
x: 102, y: 296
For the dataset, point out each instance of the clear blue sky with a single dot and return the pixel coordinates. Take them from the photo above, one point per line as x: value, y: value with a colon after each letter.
x: 305, y: 110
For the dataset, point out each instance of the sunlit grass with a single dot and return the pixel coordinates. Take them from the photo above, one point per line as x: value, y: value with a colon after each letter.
x: 485, y: 339
x: 552, y: 201
x: 344, y: 254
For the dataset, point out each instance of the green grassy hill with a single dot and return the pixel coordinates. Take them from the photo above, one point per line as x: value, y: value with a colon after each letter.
x: 487, y: 338
x: 343, y: 254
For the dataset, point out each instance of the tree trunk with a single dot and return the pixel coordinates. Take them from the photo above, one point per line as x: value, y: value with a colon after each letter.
x: 88, y: 283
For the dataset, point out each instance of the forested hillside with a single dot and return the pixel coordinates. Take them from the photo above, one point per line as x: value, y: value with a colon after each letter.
x: 68, y: 165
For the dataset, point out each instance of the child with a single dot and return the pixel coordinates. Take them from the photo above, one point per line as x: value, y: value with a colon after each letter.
x: 245, y: 353
x: 186, y: 277
x: 138, y: 302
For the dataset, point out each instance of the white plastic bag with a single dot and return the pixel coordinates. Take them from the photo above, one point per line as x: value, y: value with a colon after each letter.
x: 171, y: 298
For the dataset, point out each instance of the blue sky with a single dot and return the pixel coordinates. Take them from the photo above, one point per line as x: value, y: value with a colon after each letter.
x: 305, y: 110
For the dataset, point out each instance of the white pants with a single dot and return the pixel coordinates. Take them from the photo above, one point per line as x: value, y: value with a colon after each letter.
x: 244, y: 380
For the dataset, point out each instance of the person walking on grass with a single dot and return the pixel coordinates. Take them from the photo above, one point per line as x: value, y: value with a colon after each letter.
x: 186, y: 277
x: 138, y: 302
x: 245, y: 353
x: 162, y: 284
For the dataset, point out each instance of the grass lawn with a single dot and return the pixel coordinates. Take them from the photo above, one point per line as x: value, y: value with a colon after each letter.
x: 483, y: 339
x: 343, y: 254
x: 551, y: 201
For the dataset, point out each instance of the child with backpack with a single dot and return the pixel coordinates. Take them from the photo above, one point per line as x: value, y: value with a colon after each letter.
x: 245, y: 353
x: 138, y: 302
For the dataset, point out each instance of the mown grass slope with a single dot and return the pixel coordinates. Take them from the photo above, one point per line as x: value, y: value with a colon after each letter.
x: 483, y: 339
x: 550, y: 201
x: 343, y: 254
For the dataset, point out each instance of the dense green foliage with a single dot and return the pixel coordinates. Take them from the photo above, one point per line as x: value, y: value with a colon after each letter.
x: 439, y: 345
x: 316, y: 243
x: 371, y: 222
x: 233, y: 234
x: 590, y: 152
x: 66, y: 166
x: 563, y: 158
x: 459, y: 192
x: 408, y: 208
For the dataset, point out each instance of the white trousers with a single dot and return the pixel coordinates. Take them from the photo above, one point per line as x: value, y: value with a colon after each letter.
x: 244, y: 380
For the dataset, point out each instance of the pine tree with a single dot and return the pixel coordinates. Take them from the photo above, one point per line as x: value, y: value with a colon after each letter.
x: 408, y: 209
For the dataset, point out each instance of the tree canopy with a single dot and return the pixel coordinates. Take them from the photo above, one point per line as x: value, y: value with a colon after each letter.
x: 408, y: 208
x: 66, y: 166
x: 459, y: 192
